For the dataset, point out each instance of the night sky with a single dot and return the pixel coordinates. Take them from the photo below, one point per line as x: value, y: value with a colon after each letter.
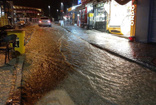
x: 55, y: 4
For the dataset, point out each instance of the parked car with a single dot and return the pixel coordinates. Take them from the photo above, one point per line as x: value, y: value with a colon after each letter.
x: 44, y: 22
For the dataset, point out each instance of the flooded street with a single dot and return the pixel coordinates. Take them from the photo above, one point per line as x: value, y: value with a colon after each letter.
x: 59, y: 60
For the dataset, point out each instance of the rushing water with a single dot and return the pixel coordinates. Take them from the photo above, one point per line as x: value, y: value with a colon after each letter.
x: 97, y: 77
x: 112, y: 78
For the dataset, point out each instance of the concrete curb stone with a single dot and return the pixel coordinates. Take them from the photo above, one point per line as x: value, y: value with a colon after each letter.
x: 15, y: 92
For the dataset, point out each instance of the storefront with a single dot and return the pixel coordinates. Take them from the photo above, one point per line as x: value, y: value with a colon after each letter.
x: 100, y: 16
x: 83, y: 17
x: 72, y: 15
x: 84, y: 13
x: 146, y: 21
x: 6, y: 12
x: 90, y: 15
x: 152, y: 35
x: 120, y: 18
x: 79, y: 14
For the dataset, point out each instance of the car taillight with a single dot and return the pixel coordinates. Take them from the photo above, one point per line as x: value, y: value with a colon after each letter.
x: 48, y: 21
x: 40, y: 21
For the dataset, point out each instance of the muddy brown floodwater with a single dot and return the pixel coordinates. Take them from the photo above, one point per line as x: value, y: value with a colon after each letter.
x: 59, y: 60
x: 44, y: 66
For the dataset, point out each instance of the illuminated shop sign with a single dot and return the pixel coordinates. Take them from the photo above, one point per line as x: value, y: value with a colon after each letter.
x: 132, y: 15
x: 79, y: 1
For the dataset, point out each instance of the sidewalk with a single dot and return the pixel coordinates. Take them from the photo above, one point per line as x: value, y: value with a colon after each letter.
x: 10, y: 81
x: 6, y: 80
x: 141, y: 53
x: 11, y: 75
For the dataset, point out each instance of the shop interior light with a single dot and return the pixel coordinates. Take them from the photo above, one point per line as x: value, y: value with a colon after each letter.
x: 90, y: 8
x: 120, y: 16
x: 73, y: 7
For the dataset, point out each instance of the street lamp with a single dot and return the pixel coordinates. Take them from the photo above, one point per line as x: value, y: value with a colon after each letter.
x: 57, y: 13
x: 62, y: 8
x: 49, y: 10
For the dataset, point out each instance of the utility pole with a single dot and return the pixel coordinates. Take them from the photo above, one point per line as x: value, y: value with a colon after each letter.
x: 49, y: 10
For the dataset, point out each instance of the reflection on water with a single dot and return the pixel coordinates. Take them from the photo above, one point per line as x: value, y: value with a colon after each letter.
x: 113, y: 78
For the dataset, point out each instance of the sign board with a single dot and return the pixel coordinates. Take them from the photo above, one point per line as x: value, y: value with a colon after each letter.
x: 79, y: 1
x: 133, y: 18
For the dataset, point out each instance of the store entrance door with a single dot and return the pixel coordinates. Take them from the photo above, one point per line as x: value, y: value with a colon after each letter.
x: 100, y: 16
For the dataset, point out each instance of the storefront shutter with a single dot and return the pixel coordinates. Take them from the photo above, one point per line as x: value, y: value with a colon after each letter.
x: 153, y: 22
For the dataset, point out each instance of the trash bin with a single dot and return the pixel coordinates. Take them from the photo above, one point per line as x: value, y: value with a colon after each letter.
x: 20, y: 47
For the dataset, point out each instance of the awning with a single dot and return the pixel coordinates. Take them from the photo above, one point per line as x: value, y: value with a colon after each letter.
x: 80, y: 8
x: 73, y: 8
x: 122, y: 2
x: 69, y: 9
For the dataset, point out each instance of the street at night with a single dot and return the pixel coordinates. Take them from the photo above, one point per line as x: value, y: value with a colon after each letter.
x: 77, y: 52
x: 59, y: 60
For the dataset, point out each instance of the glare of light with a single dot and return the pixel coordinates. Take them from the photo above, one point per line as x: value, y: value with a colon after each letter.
x: 119, y: 13
x: 38, y: 13
x: 57, y: 10
x: 40, y: 21
x: 90, y: 8
x: 78, y: 14
x: 49, y: 7
x: 64, y: 17
x: 126, y: 25
x: 73, y: 7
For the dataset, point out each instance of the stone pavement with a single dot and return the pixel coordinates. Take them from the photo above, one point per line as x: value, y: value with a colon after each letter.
x: 11, y: 75
x: 6, y: 80
x: 141, y: 53
x: 10, y: 81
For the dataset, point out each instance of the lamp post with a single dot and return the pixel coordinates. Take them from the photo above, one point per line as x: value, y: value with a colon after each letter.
x: 57, y: 14
x: 49, y: 9
x: 62, y: 8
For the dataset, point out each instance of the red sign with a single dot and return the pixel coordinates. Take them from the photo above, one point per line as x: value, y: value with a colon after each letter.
x: 84, y: 1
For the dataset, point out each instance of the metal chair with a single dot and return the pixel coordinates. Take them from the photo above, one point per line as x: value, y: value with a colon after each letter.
x: 7, y: 43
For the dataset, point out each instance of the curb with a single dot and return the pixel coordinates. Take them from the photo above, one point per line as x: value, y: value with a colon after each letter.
x: 15, y: 92
x: 151, y: 67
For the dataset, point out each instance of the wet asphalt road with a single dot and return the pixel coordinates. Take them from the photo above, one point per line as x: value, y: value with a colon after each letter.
x: 57, y: 59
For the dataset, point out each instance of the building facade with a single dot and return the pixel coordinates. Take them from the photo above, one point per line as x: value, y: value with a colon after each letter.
x: 131, y: 18
x: 146, y: 21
